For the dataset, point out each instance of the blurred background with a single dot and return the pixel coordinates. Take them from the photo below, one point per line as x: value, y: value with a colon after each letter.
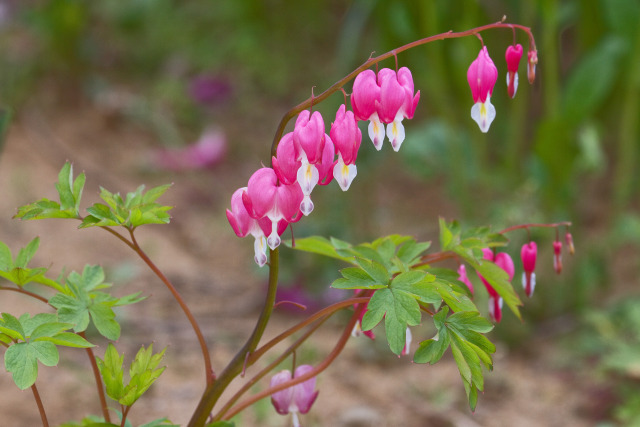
x: 159, y: 91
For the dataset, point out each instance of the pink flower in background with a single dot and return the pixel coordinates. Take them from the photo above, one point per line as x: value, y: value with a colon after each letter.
x: 265, y: 198
x: 210, y: 90
x: 297, y: 399
x: 462, y: 276
x: 557, y: 256
x: 207, y: 151
x: 528, y: 254
x: 513, y: 56
x: 504, y: 261
x: 347, y: 137
x: 482, y: 75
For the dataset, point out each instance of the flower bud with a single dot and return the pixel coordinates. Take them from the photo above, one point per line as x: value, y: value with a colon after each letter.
x: 569, y: 238
x: 532, y: 61
x: 557, y: 256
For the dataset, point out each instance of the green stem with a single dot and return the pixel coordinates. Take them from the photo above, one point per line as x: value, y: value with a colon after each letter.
x: 210, y: 376
x: 213, y: 391
x: 314, y: 100
x: 43, y: 414
x: 627, y: 139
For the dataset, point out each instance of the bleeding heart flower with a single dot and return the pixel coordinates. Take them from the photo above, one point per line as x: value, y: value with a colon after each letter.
x: 482, y: 75
x: 347, y: 137
x: 512, y: 56
x: 297, y: 399
x: 528, y: 254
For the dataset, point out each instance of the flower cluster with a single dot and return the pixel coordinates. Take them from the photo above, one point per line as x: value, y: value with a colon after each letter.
x: 278, y: 196
x: 528, y: 255
x: 483, y: 74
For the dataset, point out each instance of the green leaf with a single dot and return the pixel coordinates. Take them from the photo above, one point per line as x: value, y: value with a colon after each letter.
x: 12, y: 327
x: 111, y: 371
x: 160, y: 422
x: 399, y: 310
x: 6, y: 260
x: 410, y: 252
x: 221, y: 424
x: 22, y: 363
x: 376, y: 270
x: 355, y: 278
x: 104, y: 319
x: 470, y: 349
x: 68, y: 339
x: 317, y: 245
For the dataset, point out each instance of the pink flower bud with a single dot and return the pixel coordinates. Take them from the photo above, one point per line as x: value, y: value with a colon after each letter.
x: 557, y: 256
x: 532, y: 61
x: 512, y: 56
x: 528, y: 255
x: 569, y: 239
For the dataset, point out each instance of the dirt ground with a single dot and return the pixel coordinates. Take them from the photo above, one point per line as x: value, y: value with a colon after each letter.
x: 214, y: 272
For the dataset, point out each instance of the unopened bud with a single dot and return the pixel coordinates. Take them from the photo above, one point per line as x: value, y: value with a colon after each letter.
x: 569, y: 238
x: 557, y: 256
x: 532, y: 60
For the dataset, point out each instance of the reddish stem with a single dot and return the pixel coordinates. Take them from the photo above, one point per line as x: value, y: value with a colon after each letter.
x: 527, y: 226
x: 98, y: 377
x: 185, y: 308
x: 314, y: 100
x: 319, y: 368
x: 327, y: 311
x: 43, y: 414
x: 22, y: 291
x: 268, y: 368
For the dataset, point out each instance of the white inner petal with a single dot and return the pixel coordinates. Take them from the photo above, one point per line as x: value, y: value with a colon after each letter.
x: 395, y: 133
x: 344, y: 174
x: 260, y: 250
x: 376, y: 131
x: 483, y: 114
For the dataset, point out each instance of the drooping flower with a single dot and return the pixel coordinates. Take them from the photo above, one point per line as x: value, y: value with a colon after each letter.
x: 285, y: 162
x: 557, y: 256
x: 395, y: 129
x: 347, y: 137
x: 482, y: 75
x: 297, y: 399
x: 462, y: 276
x: 364, y: 102
x: 512, y: 56
x: 309, y: 142
x: 504, y: 261
x: 528, y: 255
x: 243, y: 224
x: 266, y: 198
